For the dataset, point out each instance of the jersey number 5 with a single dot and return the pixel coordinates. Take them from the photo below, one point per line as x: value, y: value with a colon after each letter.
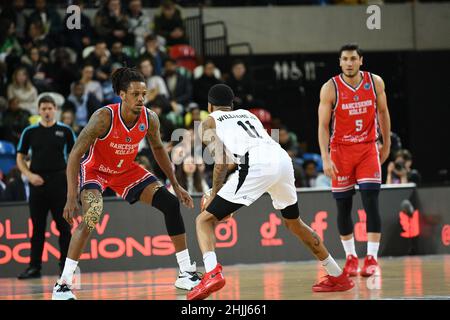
x: 359, y: 125
x: 240, y: 123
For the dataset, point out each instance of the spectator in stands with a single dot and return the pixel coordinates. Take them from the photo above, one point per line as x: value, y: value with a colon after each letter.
x: 154, y: 52
x: 38, y: 69
x: 190, y: 177
x: 139, y: 23
x: 179, y: 86
x: 68, y: 118
x: 78, y: 39
x: 314, y: 178
x: 155, y: 84
x: 288, y: 141
x: 15, y: 11
x: 9, y: 44
x: 193, y: 114
x: 241, y: 84
x: 117, y: 55
x: 22, y: 89
x: 15, y: 120
x: 142, y: 160
x: 161, y: 106
x: 17, y: 187
x: 169, y: 24
x: 36, y: 37
x: 400, y: 170
x: 91, y: 85
x: 63, y: 71
x: 50, y: 19
x: 99, y: 59
x: 204, y: 83
x: 82, y: 104
x: 111, y: 24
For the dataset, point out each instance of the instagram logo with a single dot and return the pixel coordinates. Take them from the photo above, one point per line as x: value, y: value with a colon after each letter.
x: 268, y: 231
x: 360, y: 227
x: 226, y: 234
x: 319, y: 225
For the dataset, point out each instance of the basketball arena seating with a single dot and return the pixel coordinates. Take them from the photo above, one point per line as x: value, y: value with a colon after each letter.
x: 184, y: 55
x: 7, y: 156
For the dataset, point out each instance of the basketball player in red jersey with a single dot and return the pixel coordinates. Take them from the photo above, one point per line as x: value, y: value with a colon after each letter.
x: 103, y: 156
x: 355, y: 104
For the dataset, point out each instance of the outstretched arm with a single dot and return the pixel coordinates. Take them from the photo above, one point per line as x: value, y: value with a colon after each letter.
x: 162, y: 158
x: 97, y: 126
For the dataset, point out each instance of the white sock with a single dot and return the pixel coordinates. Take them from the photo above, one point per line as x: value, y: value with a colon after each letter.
x: 331, y: 266
x: 210, y: 260
x: 184, y: 260
x: 69, y: 269
x: 349, y: 247
x: 372, y: 249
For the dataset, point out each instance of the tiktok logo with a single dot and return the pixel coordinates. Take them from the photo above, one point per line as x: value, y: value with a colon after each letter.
x: 320, y: 225
x: 360, y: 227
x: 268, y: 231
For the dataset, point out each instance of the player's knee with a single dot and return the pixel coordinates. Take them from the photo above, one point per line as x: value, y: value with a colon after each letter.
x: 290, y: 212
x: 205, y: 217
x: 166, y: 202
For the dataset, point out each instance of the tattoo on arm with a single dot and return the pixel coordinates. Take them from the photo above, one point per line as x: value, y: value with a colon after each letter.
x: 219, y: 174
x: 97, y: 126
x: 153, y: 134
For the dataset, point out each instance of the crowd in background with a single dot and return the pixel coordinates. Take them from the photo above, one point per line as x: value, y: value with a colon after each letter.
x: 39, y: 54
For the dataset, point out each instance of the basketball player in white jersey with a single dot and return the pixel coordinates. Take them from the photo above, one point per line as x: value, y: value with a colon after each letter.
x: 264, y: 166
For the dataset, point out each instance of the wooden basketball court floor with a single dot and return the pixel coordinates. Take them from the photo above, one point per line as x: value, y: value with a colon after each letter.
x: 412, y: 277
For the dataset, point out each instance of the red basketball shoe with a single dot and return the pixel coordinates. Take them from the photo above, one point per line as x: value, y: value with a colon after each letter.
x: 333, y: 284
x: 351, y: 266
x: 211, y: 282
x: 370, y: 266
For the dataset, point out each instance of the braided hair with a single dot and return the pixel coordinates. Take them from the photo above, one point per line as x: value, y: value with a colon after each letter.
x: 122, y: 77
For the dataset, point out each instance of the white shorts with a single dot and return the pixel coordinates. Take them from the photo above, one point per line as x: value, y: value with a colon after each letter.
x: 275, y: 177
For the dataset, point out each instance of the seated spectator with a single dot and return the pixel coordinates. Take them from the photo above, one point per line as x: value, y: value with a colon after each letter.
x: 190, y: 177
x: 63, y: 71
x: 117, y: 55
x: 139, y: 23
x: 14, y: 10
x: 17, y: 187
x: 194, y: 114
x: 82, y: 105
x: 154, y: 52
x: 38, y: 69
x: 100, y: 60
x: 314, y: 178
x: 288, y: 141
x: 180, y: 88
x: 68, y: 118
x: 144, y: 162
x: 91, y: 85
x: 241, y: 84
x: 204, y: 83
x: 155, y: 84
x: 161, y: 106
x: 169, y: 24
x: 8, y: 39
x: 399, y: 171
x: 78, y: 39
x: 36, y: 37
x: 22, y: 89
x: 50, y: 19
x: 15, y: 120
x: 111, y: 24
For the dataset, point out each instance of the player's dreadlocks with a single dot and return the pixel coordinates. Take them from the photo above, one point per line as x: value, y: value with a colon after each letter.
x: 122, y: 77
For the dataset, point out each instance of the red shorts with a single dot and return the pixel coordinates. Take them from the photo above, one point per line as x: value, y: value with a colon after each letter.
x: 128, y: 184
x: 358, y: 163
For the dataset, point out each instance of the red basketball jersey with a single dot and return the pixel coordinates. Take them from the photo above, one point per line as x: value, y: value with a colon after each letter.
x: 354, y: 118
x: 115, y: 152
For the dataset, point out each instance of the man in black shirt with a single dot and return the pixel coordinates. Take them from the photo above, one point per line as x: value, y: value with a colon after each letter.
x: 50, y: 143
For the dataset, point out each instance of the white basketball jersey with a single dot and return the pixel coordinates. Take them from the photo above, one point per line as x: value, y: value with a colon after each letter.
x: 240, y: 131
